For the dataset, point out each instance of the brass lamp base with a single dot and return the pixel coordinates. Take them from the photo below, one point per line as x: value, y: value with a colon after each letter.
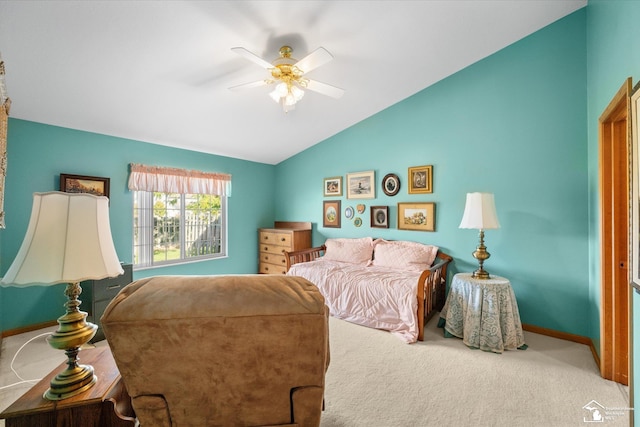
x: 73, y: 332
x: 481, y: 255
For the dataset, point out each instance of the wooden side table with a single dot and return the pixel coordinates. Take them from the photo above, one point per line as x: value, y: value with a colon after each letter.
x: 484, y: 313
x: 106, y: 404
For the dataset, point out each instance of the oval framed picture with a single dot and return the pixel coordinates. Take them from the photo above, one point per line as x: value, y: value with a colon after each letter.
x: 391, y: 184
x: 348, y: 212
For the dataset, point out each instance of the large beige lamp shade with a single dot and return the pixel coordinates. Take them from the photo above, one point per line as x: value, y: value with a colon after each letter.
x: 68, y: 240
x: 480, y: 213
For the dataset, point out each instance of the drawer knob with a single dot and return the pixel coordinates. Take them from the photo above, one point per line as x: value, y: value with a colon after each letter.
x: 283, y: 239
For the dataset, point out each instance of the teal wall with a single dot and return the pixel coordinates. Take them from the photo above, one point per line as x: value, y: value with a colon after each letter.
x: 38, y: 153
x: 613, y: 38
x: 513, y: 124
x: 518, y: 124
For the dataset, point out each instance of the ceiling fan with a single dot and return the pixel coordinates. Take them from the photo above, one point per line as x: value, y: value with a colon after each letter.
x: 288, y: 75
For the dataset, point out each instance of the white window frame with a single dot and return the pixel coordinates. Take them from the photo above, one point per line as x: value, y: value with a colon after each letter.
x: 145, y: 200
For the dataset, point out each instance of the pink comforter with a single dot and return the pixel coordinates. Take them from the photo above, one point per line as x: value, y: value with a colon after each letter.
x: 376, y: 297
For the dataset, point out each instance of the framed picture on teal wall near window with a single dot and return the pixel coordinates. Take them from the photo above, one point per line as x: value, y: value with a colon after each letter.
x: 95, y: 185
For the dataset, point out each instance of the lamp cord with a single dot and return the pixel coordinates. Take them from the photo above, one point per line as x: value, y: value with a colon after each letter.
x: 22, y: 380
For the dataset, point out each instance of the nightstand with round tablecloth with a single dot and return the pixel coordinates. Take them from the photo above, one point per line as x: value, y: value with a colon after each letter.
x: 484, y: 313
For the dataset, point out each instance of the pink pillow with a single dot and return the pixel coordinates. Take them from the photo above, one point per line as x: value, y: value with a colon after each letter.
x: 404, y: 255
x: 355, y: 251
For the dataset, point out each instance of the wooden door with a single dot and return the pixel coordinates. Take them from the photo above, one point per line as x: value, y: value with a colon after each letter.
x: 615, y: 316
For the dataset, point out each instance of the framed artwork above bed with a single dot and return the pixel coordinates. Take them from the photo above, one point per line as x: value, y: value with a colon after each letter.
x: 331, y: 213
x: 417, y: 216
x: 361, y: 185
x: 333, y: 186
x: 420, y: 179
x: 380, y: 216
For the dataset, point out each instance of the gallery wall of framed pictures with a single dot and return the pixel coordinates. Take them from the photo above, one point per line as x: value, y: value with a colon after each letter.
x: 413, y: 215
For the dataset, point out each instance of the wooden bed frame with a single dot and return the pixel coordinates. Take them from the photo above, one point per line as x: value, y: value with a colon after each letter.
x: 431, y: 284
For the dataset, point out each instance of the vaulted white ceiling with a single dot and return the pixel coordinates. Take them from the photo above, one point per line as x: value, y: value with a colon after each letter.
x: 159, y: 71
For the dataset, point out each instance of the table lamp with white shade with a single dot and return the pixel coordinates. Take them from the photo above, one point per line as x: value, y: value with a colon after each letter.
x: 68, y: 240
x: 480, y: 213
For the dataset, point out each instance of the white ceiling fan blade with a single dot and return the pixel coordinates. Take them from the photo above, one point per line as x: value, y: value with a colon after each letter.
x: 252, y: 57
x: 325, y: 89
x: 318, y: 57
x: 250, y: 85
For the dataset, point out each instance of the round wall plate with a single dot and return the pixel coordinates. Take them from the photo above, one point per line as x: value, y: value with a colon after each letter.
x: 348, y: 212
x: 357, y: 222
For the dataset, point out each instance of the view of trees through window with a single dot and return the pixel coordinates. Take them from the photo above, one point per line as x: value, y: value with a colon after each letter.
x: 171, y: 227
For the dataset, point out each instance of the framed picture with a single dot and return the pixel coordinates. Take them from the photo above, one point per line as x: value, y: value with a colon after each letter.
x: 635, y: 185
x: 391, y: 184
x: 417, y: 216
x: 380, y: 216
x: 84, y: 184
x: 421, y: 179
x: 333, y: 186
x: 361, y: 185
x: 331, y: 213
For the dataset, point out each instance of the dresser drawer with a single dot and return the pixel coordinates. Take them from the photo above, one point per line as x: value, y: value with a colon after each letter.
x: 109, y: 288
x: 271, y: 258
x: 107, y: 291
x: 273, y: 249
x: 274, y: 242
x: 281, y: 239
x: 266, y: 268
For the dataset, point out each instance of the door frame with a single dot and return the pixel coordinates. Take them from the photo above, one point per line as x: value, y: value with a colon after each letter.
x: 614, y: 133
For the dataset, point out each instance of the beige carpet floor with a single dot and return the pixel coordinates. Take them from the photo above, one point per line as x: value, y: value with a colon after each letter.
x: 375, y: 380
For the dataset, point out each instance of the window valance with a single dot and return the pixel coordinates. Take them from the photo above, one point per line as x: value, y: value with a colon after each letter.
x: 173, y: 180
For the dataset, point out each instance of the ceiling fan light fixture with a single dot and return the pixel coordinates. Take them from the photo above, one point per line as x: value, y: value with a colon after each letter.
x: 296, y: 92
x: 290, y: 73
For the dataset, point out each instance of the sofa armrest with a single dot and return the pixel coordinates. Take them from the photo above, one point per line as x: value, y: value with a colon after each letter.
x: 304, y: 255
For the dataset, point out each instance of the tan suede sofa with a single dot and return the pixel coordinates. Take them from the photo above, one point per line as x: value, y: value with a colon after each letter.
x: 221, y: 350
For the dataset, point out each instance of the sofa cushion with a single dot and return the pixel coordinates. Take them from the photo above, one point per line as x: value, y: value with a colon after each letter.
x: 403, y: 255
x: 354, y: 251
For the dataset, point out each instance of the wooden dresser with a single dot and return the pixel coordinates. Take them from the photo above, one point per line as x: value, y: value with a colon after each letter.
x: 274, y: 242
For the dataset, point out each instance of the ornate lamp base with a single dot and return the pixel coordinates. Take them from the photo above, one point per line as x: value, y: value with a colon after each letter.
x: 481, y: 255
x: 73, y: 332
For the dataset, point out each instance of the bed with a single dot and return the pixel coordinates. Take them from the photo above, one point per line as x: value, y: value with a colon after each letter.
x: 391, y: 285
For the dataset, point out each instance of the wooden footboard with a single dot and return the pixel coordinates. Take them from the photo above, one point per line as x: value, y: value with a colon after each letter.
x: 432, y: 291
x: 431, y: 285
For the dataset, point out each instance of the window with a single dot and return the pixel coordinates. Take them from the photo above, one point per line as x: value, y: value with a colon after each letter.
x: 173, y: 228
